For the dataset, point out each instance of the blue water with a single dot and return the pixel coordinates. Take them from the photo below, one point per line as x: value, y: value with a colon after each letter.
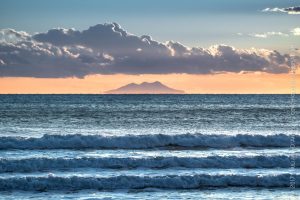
x: 148, y: 147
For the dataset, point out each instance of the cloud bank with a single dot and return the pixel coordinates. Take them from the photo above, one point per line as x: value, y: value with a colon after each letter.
x: 109, y: 49
x: 291, y: 10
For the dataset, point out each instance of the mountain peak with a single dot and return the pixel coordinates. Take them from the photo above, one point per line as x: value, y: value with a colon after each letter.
x: 157, y: 83
x: 151, y: 83
x: 145, y: 88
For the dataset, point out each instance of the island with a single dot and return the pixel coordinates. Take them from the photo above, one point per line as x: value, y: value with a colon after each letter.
x: 145, y: 88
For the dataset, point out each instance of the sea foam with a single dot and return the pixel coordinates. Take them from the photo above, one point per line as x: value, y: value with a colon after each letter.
x: 162, y: 141
x: 141, y: 182
x: 224, y: 162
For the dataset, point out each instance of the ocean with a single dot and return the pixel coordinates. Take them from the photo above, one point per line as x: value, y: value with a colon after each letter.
x: 149, y: 147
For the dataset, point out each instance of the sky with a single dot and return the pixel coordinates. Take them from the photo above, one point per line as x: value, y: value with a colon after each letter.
x: 91, y: 46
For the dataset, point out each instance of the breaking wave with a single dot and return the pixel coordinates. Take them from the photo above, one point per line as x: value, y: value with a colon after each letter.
x: 162, y: 141
x: 224, y: 162
x: 141, y: 182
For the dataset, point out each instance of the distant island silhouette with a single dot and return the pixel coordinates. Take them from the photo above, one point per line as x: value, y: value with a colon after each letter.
x: 145, y: 88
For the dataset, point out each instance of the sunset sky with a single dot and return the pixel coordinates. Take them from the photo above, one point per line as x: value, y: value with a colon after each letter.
x: 209, y: 46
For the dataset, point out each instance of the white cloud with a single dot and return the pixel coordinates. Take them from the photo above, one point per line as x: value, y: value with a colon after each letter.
x: 10, y: 35
x: 108, y: 57
x: 273, y: 10
x: 290, y: 10
x: 259, y: 35
x: 2, y: 62
x: 268, y: 34
x: 296, y: 31
x: 109, y: 49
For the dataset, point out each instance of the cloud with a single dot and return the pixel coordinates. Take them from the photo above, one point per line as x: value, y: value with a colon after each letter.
x: 268, y: 34
x: 109, y: 49
x: 296, y: 31
x: 290, y: 10
x: 12, y: 36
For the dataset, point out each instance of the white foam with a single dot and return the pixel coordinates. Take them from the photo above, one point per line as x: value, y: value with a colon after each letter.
x: 224, y: 162
x: 141, y: 182
x: 78, y: 141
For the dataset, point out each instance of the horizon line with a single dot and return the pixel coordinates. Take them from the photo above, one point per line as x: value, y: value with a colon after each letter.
x: 150, y: 94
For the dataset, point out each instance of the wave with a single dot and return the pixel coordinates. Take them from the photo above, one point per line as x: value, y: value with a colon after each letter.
x: 162, y: 141
x: 141, y: 182
x: 227, y: 162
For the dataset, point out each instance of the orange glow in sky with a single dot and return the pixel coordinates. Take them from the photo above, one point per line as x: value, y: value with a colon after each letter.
x: 229, y: 83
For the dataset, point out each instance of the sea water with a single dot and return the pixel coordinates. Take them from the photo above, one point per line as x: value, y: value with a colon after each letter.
x: 148, y: 147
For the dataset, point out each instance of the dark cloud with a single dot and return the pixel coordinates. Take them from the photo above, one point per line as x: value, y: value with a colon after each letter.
x: 291, y: 10
x: 109, y: 49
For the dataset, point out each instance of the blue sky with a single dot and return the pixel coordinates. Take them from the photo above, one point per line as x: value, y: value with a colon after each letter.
x: 191, y: 22
x: 108, y: 37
